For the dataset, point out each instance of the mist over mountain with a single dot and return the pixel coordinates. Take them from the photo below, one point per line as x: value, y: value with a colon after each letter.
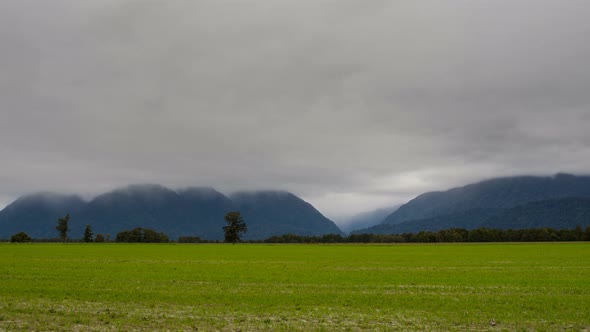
x: 186, y: 212
x: 38, y: 213
x: 515, y: 202
x: 500, y: 193
x: 365, y: 219
x: 560, y: 201
x: 150, y: 206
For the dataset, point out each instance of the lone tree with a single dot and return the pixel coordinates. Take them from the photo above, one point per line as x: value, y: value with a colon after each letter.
x: 88, y: 234
x: 235, y: 227
x: 62, y: 227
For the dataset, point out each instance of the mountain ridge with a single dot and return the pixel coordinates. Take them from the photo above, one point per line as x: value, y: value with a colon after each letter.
x: 190, y: 211
x: 473, y: 205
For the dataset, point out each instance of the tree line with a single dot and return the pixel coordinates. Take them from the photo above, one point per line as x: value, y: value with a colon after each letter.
x: 236, y: 226
x: 233, y: 231
x: 446, y: 236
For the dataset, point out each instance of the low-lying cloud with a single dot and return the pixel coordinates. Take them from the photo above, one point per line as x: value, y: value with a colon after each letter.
x: 351, y: 105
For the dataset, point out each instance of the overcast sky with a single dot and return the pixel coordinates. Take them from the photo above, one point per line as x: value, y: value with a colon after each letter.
x: 352, y: 105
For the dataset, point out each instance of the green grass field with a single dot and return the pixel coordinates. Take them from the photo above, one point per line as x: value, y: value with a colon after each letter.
x: 294, y: 287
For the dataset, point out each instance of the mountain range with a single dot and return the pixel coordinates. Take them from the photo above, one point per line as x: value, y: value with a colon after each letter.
x: 560, y: 201
x: 186, y: 212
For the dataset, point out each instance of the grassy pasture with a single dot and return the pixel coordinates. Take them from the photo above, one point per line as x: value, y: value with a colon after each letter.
x: 294, y: 287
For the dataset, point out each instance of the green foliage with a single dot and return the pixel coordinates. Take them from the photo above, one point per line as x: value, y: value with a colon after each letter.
x: 88, y: 234
x: 235, y: 227
x: 63, y: 228
x: 20, y: 237
x: 190, y: 239
x: 260, y: 287
x: 99, y: 238
x: 446, y: 235
x: 141, y: 235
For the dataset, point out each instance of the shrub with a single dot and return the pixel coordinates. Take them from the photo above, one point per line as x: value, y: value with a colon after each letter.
x: 143, y: 235
x: 21, y: 237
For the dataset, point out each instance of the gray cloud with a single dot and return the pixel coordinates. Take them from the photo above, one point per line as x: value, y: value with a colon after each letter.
x: 352, y: 105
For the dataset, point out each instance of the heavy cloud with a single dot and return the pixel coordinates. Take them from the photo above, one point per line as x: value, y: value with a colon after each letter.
x: 351, y: 104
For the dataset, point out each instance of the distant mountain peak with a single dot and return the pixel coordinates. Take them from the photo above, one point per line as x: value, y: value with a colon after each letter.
x: 201, y: 192
x: 47, y: 198
x: 145, y: 192
x: 142, y: 188
x: 277, y: 212
x: 365, y: 219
